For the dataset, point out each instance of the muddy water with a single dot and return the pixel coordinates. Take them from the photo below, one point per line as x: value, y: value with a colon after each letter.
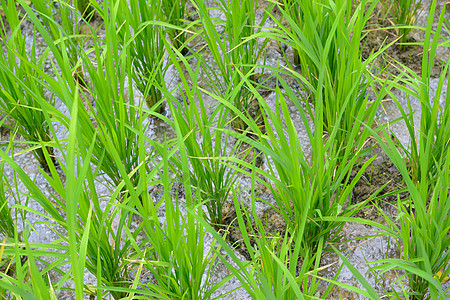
x: 363, y: 243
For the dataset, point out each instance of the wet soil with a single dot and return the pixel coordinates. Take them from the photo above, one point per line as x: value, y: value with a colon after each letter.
x: 272, y: 221
x: 382, y: 176
x: 394, y: 58
x: 380, y: 172
x: 8, y: 266
x: 233, y: 234
x: 5, y: 132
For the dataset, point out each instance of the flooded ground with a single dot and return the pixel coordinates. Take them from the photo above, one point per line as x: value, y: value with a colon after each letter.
x: 362, y: 244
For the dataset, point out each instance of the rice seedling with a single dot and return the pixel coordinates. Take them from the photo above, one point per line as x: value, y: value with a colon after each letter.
x: 235, y: 52
x: 424, y: 220
x: 424, y: 216
x: 105, y: 259
x: 90, y: 228
x: 102, y: 238
x: 114, y: 118
x: 426, y: 151
x: 6, y: 220
x: 102, y: 249
x: 311, y: 194
x: 107, y: 136
x: 423, y: 230
x: 327, y: 37
x: 138, y: 24
x: 106, y: 262
x: 405, y: 13
x: 212, y: 180
x: 177, y: 258
x: 174, y: 13
x: 22, y: 94
x: 276, y: 270
x: 67, y: 35
x: 283, y: 267
x: 105, y: 250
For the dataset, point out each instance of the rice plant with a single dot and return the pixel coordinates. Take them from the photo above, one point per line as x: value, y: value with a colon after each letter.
x: 138, y: 23
x: 113, y: 120
x: 210, y: 177
x: 89, y: 228
x: 426, y: 151
x: 178, y: 239
x: 212, y: 180
x: 424, y: 218
x: 405, y: 13
x: 105, y: 250
x: 114, y: 125
x: 326, y: 36
x: 424, y: 222
x: 22, y: 95
x: 308, y: 195
x: 67, y: 35
x: 177, y: 258
x: 98, y: 237
x: 174, y: 13
x: 276, y: 270
x: 235, y: 51
x: 283, y: 265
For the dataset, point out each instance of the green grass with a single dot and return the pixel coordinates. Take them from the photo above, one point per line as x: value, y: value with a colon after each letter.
x: 175, y: 14
x: 405, y: 13
x: 423, y: 226
x: 326, y: 38
x: 85, y: 8
x: 164, y: 210
x: 211, y: 179
x: 234, y: 52
x: 140, y: 32
x: 22, y: 94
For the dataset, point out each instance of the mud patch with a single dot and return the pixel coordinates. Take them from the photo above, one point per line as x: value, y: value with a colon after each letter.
x: 379, y: 35
x: 380, y: 174
x: 272, y: 221
x: 374, y: 177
